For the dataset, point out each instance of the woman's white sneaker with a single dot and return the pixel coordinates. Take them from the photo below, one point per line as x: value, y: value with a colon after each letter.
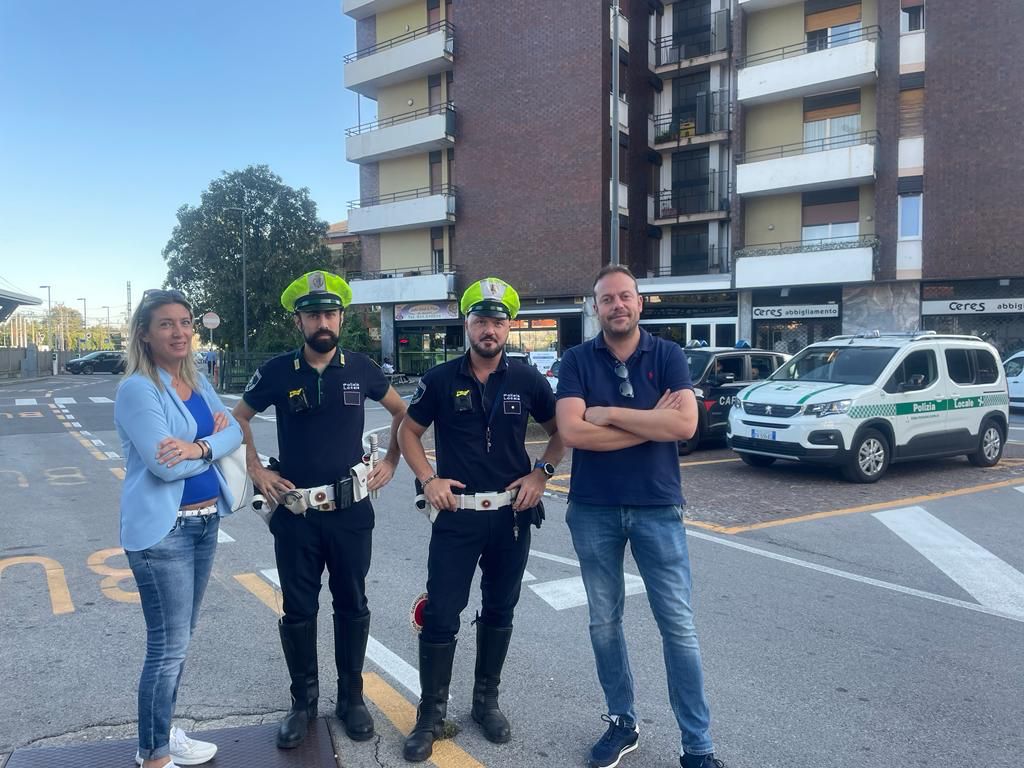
x: 186, y: 751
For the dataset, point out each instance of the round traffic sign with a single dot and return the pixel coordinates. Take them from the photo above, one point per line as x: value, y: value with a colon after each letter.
x: 211, y: 320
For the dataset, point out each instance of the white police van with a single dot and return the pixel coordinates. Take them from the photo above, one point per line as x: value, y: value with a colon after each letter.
x: 862, y: 402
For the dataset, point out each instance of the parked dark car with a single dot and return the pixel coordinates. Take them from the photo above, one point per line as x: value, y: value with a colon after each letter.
x: 718, y: 373
x: 97, y: 362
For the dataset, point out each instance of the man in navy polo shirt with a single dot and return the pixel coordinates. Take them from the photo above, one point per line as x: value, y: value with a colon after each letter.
x: 486, y: 494
x: 624, y: 400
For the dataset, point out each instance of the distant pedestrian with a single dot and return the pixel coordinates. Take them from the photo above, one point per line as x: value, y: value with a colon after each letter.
x: 624, y: 400
x: 211, y: 362
x: 172, y: 426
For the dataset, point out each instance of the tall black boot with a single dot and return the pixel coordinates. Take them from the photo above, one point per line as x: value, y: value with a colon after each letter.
x: 299, y: 644
x: 491, y: 649
x: 350, y: 637
x: 435, y: 676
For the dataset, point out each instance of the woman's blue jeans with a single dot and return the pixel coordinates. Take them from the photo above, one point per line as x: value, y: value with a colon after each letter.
x: 171, y: 577
x: 657, y: 540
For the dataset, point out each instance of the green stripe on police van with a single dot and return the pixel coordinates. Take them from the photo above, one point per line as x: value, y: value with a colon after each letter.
x: 803, y: 399
x: 926, y: 406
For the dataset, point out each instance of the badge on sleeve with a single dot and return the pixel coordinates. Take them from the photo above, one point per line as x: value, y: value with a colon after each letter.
x: 421, y: 390
x: 254, y: 381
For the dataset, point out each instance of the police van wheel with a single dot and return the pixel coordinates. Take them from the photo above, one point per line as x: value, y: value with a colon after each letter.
x: 756, y: 460
x: 869, y: 458
x: 990, y: 445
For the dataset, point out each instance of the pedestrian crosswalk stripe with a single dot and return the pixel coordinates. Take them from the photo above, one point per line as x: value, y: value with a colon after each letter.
x: 101, y: 399
x: 562, y: 594
x: 223, y: 537
x: 989, y: 580
x: 64, y: 400
x: 25, y: 401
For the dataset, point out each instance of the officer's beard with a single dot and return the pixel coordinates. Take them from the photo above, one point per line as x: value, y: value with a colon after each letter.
x: 322, y: 341
x: 487, y: 352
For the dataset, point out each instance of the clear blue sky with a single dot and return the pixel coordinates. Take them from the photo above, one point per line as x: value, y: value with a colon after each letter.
x: 115, y: 113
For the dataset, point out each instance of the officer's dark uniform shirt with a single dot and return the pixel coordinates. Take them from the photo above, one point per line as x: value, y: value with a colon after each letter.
x: 319, y: 416
x: 450, y: 395
x: 646, y: 474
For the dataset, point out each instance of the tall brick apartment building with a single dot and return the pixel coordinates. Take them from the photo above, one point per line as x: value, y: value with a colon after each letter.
x: 786, y: 172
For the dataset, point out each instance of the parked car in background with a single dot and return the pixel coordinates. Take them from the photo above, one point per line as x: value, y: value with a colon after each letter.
x: 552, y: 375
x: 1014, y: 367
x: 97, y: 362
x: 718, y: 374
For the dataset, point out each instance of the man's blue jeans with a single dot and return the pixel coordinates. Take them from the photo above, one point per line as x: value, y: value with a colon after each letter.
x: 171, y: 577
x: 657, y: 540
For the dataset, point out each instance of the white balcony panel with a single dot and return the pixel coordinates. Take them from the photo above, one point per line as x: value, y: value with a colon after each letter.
x: 412, y: 60
x: 623, y: 196
x: 912, y: 52
x: 425, y: 134
x: 911, y: 156
x: 623, y: 28
x: 650, y: 209
x: 908, y: 260
x: 750, y: 6
x: 814, y: 170
x: 843, y: 265
x: 684, y: 284
x: 623, y: 113
x: 834, y: 69
x: 429, y: 211
x: 362, y: 9
x: 396, y: 290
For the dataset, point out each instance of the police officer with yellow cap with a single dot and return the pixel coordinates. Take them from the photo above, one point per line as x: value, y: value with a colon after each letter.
x: 485, y: 492
x: 319, y: 485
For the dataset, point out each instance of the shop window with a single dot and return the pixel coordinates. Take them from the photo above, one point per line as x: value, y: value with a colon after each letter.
x: 911, y: 16
x: 910, y: 216
x: 917, y: 364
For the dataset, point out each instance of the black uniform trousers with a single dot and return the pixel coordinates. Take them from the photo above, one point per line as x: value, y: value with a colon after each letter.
x: 340, y: 540
x: 458, y: 541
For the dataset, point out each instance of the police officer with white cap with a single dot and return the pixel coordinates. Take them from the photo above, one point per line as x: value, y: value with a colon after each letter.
x: 320, y: 486
x: 485, y: 493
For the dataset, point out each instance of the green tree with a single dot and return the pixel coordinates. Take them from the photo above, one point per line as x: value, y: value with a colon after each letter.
x: 283, y: 239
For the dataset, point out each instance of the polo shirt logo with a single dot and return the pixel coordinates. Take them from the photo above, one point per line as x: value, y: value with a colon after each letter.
x: 513, y: 405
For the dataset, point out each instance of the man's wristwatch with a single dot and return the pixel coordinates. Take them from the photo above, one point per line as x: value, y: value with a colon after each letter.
x: 548, y: 467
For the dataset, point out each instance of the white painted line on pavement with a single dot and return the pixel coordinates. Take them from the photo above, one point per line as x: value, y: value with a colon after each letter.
x: 86, y: 434
x: 64, y: 400
x: 97, y: 442
x: 76, y: 424
x: 554, y: 558
x: 271, y: 576
x: 527, y: 576
x: 112, y: 455
x: 562, y: 594
x: 856, y: 577
x: 266, y: 418
x: 223, y: 537
x: 1019, y: 488
x: 232, y: 397
x: 101, y: 399
x: 989, y: 580
x: 25, y: 401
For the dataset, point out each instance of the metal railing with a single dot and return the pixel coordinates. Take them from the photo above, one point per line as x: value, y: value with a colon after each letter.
x: 384, y: 45
x: 808, y: 147
x: 675, y: 49
x: 713, y: 261
x: 408, y: 194
x: 406, y: 117
x: 234, y: 369
x: 708, y: 113
x: 809, y: 246
x: 684, y: 201
x: 379, y: 274
x: 812, y: 46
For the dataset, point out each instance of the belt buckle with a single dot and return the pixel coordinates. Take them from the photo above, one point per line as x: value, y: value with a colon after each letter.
x: 343, y: 493
x: 487, y: 501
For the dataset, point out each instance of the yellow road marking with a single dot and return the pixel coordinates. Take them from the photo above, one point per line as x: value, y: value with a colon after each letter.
x: 110, y: 584
x: 57, y: 584
x: 118, y: 472
x: 558, y: 487
x: 871, y: 507
x: 267, y: 595
x: 402, y: 714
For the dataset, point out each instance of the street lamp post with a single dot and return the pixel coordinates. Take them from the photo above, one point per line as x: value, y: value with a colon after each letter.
x: 108, y: 322
x: 85, y: 320
x: 49, y: 317
x: 245, y: 301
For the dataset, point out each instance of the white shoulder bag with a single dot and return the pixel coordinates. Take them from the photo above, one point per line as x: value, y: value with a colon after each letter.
x: 233, y: 469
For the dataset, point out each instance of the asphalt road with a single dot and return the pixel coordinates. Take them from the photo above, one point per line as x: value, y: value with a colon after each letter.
x: 841, y: 625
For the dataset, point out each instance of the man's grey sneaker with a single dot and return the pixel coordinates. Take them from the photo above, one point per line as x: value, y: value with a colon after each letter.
x: 621, y: 738
x: 186, y: 751
x: 700, y: 761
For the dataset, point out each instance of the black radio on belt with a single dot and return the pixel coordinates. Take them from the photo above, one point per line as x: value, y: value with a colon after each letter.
x: 343, y: 498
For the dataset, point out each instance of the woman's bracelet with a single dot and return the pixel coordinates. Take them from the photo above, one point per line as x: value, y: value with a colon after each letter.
x: 206, y: 452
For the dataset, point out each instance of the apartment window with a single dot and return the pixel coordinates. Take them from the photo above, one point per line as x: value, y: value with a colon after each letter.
x: 448, y: 11
x: 449, y: 85
x: 691, y: 28
x: 685, y: 91
x: 831, y: 28
x: 437, y: 248
x: 689, y: 250
x: 911, y: 16
x: 912, y: 112
x: 832, y: 120
x: 911, y: 216
x: 433, y: 12
x: 831, y: 215
x: 435, y: 173
x: 434, y: 92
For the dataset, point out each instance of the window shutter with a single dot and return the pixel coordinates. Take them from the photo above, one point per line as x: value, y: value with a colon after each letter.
x: 837, y: 16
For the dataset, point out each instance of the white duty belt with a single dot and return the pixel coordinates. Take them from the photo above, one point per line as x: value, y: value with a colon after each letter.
x: 322, y: 497
x: 476, y: 502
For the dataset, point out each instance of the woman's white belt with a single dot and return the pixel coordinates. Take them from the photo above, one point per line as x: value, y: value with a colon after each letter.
x: 210, y: 509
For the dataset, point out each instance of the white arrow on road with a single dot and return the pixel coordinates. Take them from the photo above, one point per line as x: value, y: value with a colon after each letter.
x: 991, y: 581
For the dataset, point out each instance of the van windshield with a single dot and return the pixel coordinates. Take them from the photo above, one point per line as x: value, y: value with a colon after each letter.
x: 841, y: 365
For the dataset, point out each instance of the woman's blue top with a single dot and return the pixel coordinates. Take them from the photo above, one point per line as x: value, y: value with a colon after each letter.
x: 205, y: 486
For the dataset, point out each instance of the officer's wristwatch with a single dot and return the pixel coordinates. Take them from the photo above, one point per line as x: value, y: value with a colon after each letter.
x: 548, y: 467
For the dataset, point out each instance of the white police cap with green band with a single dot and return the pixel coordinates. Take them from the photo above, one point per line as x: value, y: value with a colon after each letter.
x: 316, y: 290
x: 491, y: 297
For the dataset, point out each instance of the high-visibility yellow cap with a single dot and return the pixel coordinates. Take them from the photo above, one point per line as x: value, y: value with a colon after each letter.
x: 316, y: 291
x: 491, y: 297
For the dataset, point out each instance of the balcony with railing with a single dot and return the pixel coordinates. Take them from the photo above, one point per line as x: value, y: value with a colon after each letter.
x: 704, y: 120
x: 711, y: 261
x: 807, y: 262
x: 623, y: 111
x: 844, y: 160
x: 410, y: 133
x: 676, y: 53
x: 408, y: 209
x: 623, y: 28
x: 694, y: 203
x: 843, y: 60
x: 418, y: 53
x: 750, y: 6
x: 430, y: 282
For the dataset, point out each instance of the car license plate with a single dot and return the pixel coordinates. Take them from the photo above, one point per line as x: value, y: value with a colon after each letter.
x: 763, y: 434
